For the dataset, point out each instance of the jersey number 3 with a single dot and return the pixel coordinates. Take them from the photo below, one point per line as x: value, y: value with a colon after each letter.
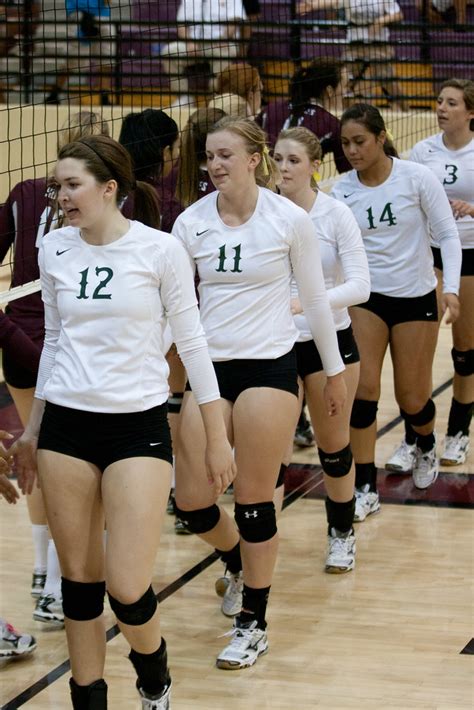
x: 386, y: 216
x: 100, y: 286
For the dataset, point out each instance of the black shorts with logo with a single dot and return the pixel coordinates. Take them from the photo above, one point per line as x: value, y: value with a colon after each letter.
x: 467, y: 264
x: 393, y: 310
x: 102, y: 438
x: 309, y: 360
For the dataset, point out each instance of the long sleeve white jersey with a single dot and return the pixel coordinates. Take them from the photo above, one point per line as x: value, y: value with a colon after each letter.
x: 396, y: 219
x: 455, y: 171
x: 245, y: 274
x: 343, y: 258
x: 106, y: 309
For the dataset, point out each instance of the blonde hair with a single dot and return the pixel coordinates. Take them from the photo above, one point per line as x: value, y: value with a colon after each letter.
x: 231, y: 104
x: 267, y: 173
x: 193, y: 152
x: 83, y: 123
x: 308, y: 140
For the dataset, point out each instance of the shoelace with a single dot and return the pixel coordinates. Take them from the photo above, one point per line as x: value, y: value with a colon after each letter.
x: 338, y: 544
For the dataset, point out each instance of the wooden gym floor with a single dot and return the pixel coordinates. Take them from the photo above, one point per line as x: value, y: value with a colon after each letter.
x: 396, y: 633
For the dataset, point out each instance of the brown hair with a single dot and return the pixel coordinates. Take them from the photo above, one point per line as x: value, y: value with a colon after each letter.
x: 106, y: 159
x: 467, y: 88
x: 267, y: 173
x: 239, y: 78
x: 193, y: 152
x: 231, y: 104
x: 308, y: 140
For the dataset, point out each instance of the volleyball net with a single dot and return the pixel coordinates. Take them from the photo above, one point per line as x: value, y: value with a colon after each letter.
x: 61, y: 57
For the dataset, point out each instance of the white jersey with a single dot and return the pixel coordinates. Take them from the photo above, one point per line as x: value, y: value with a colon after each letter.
x: 396, y: 219
x: 455, y: 171
x: 344, y: 261
x: 245, y: 274
x: 360, y: 14
x: 106, y: 309
x: 214, y: 12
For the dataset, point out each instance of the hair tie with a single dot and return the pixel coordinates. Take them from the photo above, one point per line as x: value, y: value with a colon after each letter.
x: 389, y: 135
x: 316, y: 176
x: 265, y: 154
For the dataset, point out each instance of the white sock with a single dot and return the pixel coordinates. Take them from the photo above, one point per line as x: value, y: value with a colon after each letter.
x: 53, y: 573
x: 40, y: 545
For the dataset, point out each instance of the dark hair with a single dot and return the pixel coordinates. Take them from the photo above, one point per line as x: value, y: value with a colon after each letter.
x: 371, y: 118
x: 193, y: 152
x: 467, y: 88
x: 145, y: 135
x: 311, y: 83
x: 106, y: 159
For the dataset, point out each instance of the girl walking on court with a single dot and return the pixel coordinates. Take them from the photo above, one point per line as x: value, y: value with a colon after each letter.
x: 98, y: 422
x: 346, y: 273
x: 396, y: 204
x: 246, y: 242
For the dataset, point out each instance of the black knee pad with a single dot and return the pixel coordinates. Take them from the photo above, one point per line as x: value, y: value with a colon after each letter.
x: 337, y: 464
x: 463, y: 362
x: 136, y: 613
x: 424, y: 416
x: 200, y: 521
x: 82, y: 601
x: 256, y: 521
x: 364, y: 413
x: 175, y: 401
x: 281, y: 475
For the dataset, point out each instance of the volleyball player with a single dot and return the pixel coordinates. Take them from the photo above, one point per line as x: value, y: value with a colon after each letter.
x: 104, y: 448
x: 346, y: 273
x: 246, y: 242
x: 450, y: 155
x: 26, y: 216
x: 396, y: 204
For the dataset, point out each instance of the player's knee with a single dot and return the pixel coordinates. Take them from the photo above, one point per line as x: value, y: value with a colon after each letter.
x: 338, y: 464
x: 423, y: 416
x: 463, y: 362
x: 136, y: 613
x: 82, y: 601
x: 200, y: 521
x: 256, y: 521
x: 364, y: 413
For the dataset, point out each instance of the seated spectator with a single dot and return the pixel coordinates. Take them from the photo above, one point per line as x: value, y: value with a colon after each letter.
x: 449, y: 12
x: 231, y: 104
x: 213, y: 37
x: 18, y: 23
x: 313, y: 90
x: 243, y: 80
x: 369, y: 51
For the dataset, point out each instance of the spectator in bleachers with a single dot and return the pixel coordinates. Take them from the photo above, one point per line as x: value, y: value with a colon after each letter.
x: 193, y: 180
x: 94, y: 51
x: 213, y: 38
x: 449, y: 12
x: 152, y: 139
x: 244, y: 80
x: 369, y: 52
x: 314, y: 90
x: 18, y: 22
x: 231, y: 104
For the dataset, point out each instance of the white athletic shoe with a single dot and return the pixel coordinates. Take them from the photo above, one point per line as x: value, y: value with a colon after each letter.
x: 366, y: 503
x: 154, y: 702
x: 12, y: 643
x: 341, y: 552
x: 403, y: 458
x: 248, y: 643
x: 455, y: 449
x: 232, y: 599
x: 49, y: 609
x: 425, y: 470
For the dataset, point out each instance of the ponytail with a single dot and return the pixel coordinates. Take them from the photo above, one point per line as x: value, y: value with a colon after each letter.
x: 146, y: 207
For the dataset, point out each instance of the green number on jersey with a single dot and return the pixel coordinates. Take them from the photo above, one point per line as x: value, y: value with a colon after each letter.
x: 386, y: 216
x: 451, y: 173
x: 222, y: 260
x: 102, y: 284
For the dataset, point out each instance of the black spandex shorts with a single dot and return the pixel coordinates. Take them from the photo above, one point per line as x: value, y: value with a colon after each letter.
x: 467, y: 264
x: 308, y: 359
x: 393, y: 310
x: 15, y: 375
x: 102, y: 439
x: 235, y: 376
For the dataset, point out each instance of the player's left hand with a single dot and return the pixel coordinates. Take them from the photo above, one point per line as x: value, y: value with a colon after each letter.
x: 450, y: 305
x: 335, y: 394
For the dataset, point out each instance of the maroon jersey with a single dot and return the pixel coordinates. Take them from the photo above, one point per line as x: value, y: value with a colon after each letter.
x: 205, y: 184
x: 276, y: 116
x: 170, y: 208
x: 24, y: 217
